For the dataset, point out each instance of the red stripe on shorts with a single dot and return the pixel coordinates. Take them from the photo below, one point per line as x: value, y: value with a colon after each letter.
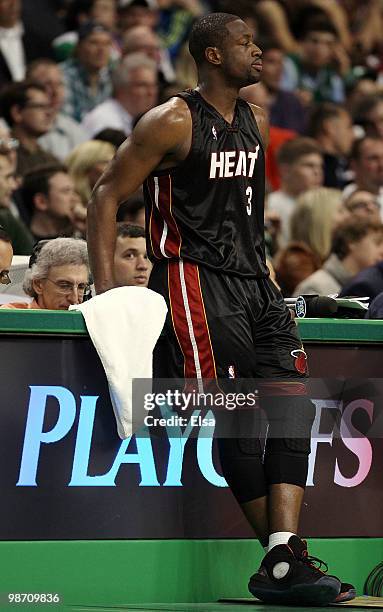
x: 189, y: 320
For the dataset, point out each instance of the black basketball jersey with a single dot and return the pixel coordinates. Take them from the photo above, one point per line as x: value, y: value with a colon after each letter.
x: 210, y: 208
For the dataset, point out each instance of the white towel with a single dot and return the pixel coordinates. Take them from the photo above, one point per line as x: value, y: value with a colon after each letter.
x: 124, y: 325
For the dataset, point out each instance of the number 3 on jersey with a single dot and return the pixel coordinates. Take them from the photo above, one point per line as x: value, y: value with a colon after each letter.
x: 249, y: 193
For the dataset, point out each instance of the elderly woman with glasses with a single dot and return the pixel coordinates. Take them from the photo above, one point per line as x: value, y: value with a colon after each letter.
x: 58, y: 275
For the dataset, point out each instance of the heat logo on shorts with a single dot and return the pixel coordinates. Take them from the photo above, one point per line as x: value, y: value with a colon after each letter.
x: 300, y: 360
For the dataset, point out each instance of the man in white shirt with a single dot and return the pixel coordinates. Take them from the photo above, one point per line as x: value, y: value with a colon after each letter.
x: 300, y: 164
x: 21, y: 42
x: 12, y: 61
x: 135, y: 91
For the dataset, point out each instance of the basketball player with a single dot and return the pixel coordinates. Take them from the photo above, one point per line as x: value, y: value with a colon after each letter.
x: 201, y: 155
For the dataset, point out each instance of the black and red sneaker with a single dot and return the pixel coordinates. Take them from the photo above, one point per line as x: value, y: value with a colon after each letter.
x: 285, y: 579
x: 299, y: 548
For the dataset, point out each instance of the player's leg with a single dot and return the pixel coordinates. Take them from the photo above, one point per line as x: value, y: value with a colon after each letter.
x: 287, y: 573
x: 241, y: 462
x: 227, y: 312
x: 207, y: 334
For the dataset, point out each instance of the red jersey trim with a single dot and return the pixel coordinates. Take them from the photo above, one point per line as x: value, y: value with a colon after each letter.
x: 165, y: 237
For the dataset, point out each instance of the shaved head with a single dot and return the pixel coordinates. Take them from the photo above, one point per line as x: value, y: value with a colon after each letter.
x: 209, y: 31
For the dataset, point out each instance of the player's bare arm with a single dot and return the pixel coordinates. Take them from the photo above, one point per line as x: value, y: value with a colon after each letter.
x: 160, y: 140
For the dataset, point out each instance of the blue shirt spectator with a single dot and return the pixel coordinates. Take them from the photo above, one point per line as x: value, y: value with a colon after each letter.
x: 368, y: 283
x: 87, y: 76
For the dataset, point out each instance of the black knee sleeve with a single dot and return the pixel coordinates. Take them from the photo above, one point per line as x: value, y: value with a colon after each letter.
x: 288, y: 439
x: 241, y: 462
x: 290, y: 419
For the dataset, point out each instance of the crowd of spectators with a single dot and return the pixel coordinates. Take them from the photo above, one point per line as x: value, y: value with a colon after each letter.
x: 76, y: 76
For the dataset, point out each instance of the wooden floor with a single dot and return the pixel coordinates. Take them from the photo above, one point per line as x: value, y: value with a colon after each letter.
x: 245, y: 605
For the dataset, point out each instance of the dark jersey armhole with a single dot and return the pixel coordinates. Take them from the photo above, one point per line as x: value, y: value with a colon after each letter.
x: 248, y: 108
x: 195, y: 146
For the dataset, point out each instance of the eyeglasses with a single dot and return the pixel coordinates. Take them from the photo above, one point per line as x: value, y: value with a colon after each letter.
x: 65, y: 287
x: 4, y: 277
x: 363, y: 204
x: 9, y: 144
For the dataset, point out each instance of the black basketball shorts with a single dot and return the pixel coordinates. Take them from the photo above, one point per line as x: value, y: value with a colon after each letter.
x: 224, y: 326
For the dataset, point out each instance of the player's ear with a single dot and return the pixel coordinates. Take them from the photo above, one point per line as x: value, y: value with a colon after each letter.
x: 213, y: 55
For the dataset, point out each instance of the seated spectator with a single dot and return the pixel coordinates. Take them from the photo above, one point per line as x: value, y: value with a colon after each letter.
x: 331, y: 126
x: 19, y: 234
x: 358, y: 87
x: 65, y: 133
x: 131, y: 263
x: 368, y: 283
x: 375, y: 310
x: 135, y: 91
x: 12, y: 49
x: 318, y: 211
x: 6, y: 254
x: 133, y: 13
x: 366, y: 162
x: 26, y: 109
x: 284, y: 107
x: 356, y: 245
x: 87, y: 74
x: 300, y: 11
x: 310, y: 73
x: 293, y: 264
x: 19, y: 43
x: 368, y: 114
x: 141, y: 39
x: 58, y: 275
x: 301, y: 168
x: 78, y: 12
x: 48, y: 192
x: 363, y: 205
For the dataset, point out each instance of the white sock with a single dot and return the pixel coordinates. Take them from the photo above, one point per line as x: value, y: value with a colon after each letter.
x: 279, y: 537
